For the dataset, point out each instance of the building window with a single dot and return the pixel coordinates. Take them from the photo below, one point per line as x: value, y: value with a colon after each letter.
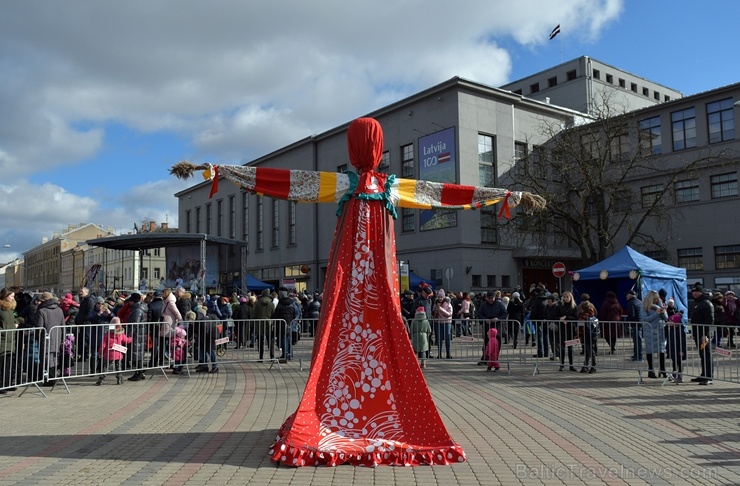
x: 552, y: 82
x: 208, y: 219
x: 505, y: 281
x: 656, y: 95
x: 687, y: 191
x: 342, y: 168
x: 232, y: 217
x: 650, y: 136
x: 597, y: 74
x: 683, y: 124
x: 407, y: 161
x: 486, y: 174
x: 727, y: 257
x: 666, y: 98
x: 633, y: 87
x: 645, y: 92
x: 219, y: 217
x: 188, y: 229
x: 157, y: 273
x: 488, y: 232
x: 659, y: 255
x: 260, y: 223
x: 534, y: 88
x: 620, y: 147
x: 622, y: 200
x: 610, y: 79
x: 724, y: 185
x: 491, y: 281
x: 650, y: 195
x: 520, y: 151
x: 291, y: 222
x: 721, y: 120
x: 385, y: 162
x: 622, y: 83
x: 408, y: 220
x: 476, y: 281
x: 691, y: 259
x: 275, y: 223
x: 570, y: 75
x: 197, y: 219
x: 517, y: 91
x: 245, y: 217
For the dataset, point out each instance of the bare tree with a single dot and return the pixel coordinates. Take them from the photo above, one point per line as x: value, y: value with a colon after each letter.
x: 606, y: 184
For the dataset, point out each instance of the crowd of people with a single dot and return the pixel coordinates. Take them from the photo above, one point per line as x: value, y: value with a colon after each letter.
x: 553, y: 323
x: 142, y: 330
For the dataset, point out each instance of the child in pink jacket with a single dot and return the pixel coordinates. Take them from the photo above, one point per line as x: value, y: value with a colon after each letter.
x: 492, y: 350
x: 108, y: 352
x: 179, y: 349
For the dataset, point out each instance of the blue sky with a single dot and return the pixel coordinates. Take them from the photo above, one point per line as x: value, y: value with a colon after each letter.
x: 98, y: 100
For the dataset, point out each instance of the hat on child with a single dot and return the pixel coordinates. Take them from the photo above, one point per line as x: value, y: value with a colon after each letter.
x: 421, y: 309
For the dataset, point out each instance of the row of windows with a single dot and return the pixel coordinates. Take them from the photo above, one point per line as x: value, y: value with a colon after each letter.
x: 197, y: 228
x: 551, y: 82
x: 725, y: 257
x: 720, y: 127
x: 491, y: 281
x: 609, y: 78
x: 721, y: 185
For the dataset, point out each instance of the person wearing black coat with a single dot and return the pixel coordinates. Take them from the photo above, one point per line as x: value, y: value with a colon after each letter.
x: 136, y: 329
x: 702, y: 318
x: 241, y: 315
x: 515, y: 311
x: 205, y: 332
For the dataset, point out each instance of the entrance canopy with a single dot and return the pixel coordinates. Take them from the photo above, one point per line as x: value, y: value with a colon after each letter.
x: 197, y: 259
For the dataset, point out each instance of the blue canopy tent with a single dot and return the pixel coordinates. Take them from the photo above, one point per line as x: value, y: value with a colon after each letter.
x: 255, y: 285
x: 416, y: 281
x: 630, y: 270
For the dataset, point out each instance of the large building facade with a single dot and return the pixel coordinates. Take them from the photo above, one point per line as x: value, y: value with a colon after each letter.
x: 464, y: 132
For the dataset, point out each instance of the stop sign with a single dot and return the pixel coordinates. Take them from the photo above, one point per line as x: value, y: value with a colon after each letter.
x: 558, y: 269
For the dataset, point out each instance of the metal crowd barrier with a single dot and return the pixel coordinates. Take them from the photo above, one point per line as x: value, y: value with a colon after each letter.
x: 135, y: 348
x: 22, y: 359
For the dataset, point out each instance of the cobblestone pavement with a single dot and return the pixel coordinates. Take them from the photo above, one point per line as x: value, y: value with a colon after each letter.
x: 550, y: 428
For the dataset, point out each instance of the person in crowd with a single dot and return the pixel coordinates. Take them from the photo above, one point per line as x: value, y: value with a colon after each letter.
x: 702, y: 318
x: 263, y: 310
x: 313, y: 307
x: 654, y: 316
x: 100, y: 316
x: 490, y: 312
x: 7, y: 340
x: 206, y: 333
x: 67, y: 303
x: 51, y: 317
x: 732, y: 316
x: 295, y: 326
x: 587, y: 315
x: 420, y: 330
x: 719, y: 318
x: 610, y: 314
x: 634, y: 313
x: 136, y: 329
x: 567, y: 317
x: 214, y: 311
x: 537, y: 316
x: 283, y: 316
x: 492, y: 350
x: 31, y: 348
x: 184, y: 301
x: 408, y: 311
x: 109, y: 352
x: 425, y: 300
x: 242, y: 314
x: 169, y: 319
x: 179, y: 346
x: 515, y: 311
x: 464, y: 315
x: 676, y: 344
x: 552, y: 316
x: 87, y: 303
x: 442, y: 313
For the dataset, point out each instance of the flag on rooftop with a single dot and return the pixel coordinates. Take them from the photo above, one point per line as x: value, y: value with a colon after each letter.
x: 555, y: 32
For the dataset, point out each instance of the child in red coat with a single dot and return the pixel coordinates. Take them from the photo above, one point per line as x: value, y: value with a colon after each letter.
x: 113, y: 348
x: 492, y: 350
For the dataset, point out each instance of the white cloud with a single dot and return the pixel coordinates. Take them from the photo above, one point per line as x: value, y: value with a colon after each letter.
x: 229, y: 80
